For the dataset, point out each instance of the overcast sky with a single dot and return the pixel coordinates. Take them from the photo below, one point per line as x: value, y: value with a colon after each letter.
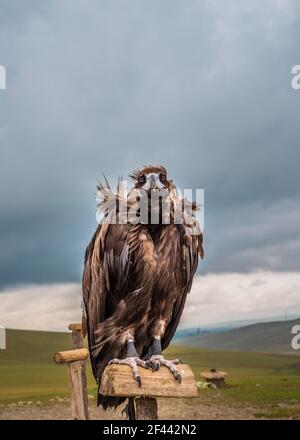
x: 203, y: 87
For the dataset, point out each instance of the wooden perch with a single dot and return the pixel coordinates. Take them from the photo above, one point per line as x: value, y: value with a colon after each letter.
x: 118, y: 380
x: 81, y: 354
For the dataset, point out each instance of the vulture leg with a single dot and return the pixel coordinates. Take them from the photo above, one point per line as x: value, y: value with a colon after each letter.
x: 156, y: 360
x: 132, y: 359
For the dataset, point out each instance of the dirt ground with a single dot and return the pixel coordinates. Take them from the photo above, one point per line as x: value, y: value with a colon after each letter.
x: 167, y: 409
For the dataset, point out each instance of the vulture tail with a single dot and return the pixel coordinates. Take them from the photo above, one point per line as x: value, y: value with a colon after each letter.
x: 131, y: 408
x: 109, y: 401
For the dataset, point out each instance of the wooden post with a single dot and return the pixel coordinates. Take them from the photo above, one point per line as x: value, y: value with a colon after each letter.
x: 74, y: 359
x: 76, y: 335
x: 77, y: 374
x: 76, y: 391
x: 78, y: 343
x: 146, y: 408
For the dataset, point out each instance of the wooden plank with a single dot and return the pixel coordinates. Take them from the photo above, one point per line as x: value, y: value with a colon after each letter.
x: 74, y: 326
x: 117, y: 380
x: 76, y: 396
x: 146, y: 408
x: 71, y: 355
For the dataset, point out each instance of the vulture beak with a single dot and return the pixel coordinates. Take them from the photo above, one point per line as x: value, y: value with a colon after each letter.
x: 153, y: 182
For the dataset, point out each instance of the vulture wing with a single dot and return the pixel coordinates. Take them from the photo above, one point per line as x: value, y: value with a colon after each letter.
x: 191, y: 248
x: 106, y: 269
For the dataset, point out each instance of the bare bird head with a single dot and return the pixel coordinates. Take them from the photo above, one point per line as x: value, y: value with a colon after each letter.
x: 151, y: 178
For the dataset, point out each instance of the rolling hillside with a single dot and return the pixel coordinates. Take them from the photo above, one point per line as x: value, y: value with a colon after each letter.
x: 27, y: 370
x: 267, y: 383
x: 272, y: 337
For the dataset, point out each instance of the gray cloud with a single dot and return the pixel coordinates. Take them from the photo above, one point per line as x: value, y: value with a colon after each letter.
x: 40, y: 307
x: 214, y: 298
x: 202, y: 87
x: 235, y: 296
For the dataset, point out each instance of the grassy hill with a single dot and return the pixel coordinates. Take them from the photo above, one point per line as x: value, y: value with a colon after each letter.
x: 27, y: 370
x: 273, y: 337
x: 268, y: 382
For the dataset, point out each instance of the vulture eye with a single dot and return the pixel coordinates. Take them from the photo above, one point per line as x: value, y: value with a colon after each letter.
x: 163, y: 177
x: 142, y: 178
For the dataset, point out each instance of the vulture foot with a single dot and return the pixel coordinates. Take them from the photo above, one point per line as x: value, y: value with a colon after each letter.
x: 133, y: 362
x: 156, y: 361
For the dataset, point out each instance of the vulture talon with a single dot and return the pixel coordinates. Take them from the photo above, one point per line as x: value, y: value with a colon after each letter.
x: 156, y: 361
x: 154, y: 365
x: 178, y: 377
x: 133, y: 363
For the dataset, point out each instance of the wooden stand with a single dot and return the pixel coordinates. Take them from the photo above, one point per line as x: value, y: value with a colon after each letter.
x: 118, y: 380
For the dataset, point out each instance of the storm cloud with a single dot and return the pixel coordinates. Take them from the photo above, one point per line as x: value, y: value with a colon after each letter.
x: 214, y: 298
x: 203, y: 87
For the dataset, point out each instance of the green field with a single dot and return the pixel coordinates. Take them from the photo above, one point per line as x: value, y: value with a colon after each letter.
x: 270, y: 383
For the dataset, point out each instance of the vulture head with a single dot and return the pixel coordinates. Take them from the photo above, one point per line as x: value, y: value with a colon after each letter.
x: 152, y: 178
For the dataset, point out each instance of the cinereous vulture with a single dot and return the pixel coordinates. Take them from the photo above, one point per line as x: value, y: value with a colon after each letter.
x: 137, y: 275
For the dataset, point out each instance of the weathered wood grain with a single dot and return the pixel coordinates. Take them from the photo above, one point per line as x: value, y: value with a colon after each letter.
x: 146, y: 408
x: 78, y: 343
x: 76, y: 391
x: 71, y: 355
x: 117, y: 380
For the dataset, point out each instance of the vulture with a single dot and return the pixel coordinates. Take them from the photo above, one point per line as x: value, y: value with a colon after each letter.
x: 137, y: 274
